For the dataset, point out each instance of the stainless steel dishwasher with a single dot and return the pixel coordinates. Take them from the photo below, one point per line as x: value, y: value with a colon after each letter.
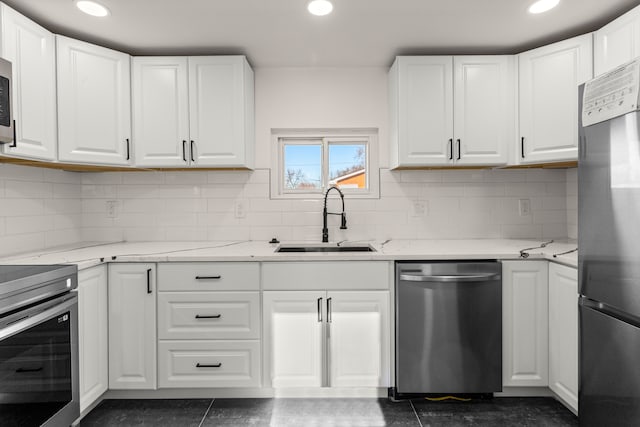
x: 448, y: 328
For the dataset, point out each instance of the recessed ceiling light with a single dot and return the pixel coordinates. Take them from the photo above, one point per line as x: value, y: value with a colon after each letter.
x: 543, y: 5
x: 320, y: 7
x: 92, y: 8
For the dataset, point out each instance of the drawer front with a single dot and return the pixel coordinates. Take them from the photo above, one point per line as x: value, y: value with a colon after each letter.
x: 195, y: 364
x: 208, y: 276
x: 326, y: 275
x: 209, y: 315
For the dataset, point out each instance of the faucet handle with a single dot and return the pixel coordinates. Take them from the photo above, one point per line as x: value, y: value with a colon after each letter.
x: 343, y: 224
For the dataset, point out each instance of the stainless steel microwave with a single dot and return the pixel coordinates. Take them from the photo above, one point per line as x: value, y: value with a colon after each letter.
x: 6, y: 119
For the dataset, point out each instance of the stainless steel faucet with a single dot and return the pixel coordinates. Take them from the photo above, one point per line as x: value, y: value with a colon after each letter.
x: 343, y: 223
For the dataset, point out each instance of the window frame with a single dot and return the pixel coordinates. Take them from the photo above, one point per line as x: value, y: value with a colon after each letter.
x: 325, y: 138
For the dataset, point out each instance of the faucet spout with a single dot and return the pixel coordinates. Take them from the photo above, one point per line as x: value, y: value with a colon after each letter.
x: 325, y: 213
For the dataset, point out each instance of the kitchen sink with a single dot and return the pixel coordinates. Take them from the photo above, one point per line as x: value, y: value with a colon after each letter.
x: 324, y: 248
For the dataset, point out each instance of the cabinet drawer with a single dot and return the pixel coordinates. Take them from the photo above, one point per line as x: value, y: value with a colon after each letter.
x: 208, y: 276
x: 208, y: 364
x: 326, y: 275
x: 208, y: 315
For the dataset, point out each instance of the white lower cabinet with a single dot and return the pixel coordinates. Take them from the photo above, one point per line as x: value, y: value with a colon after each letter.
x: 92, y: 334
x: 132, y: 326
x: 563, y: 333
x: 326, y: 339
x: 209, y: 325
x: 525, y: 323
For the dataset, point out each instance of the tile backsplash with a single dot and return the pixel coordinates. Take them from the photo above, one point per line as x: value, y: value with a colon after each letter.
x: 235, y: 205
x: 41, y: 208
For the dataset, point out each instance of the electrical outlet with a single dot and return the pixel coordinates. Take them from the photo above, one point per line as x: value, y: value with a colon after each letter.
x: 111, y: 208
x: 524, y: 206
x: 240, y: 211
x: 420, y: 208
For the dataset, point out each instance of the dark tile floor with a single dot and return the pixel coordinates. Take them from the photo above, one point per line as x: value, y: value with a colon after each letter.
x: 500, y: 412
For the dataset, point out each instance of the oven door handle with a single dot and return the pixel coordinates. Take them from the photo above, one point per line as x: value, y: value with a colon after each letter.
x: 35, y: 315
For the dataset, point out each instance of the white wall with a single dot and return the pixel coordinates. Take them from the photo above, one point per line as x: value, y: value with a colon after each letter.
x: 39, y: 208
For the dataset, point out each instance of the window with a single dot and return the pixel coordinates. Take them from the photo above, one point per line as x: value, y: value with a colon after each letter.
x: 308, y: 163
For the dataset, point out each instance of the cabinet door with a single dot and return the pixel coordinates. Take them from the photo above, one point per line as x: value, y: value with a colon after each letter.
x: 358, y: 338
x: 31, y: 50
x: 160, y: 111
x: 549, y: 79
x: 221, y: 111
x: 422, y: 110
x: 94, y: 103
x: 617, y: 42
x: 483, y: 102
x: 132, y: 326
x: 525, y: 323
x: 563, y: 333
x: 294, y: 348
x: 93, y: 334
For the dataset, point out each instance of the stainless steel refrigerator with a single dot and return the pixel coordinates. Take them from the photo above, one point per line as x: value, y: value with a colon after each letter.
x: 609, y: 249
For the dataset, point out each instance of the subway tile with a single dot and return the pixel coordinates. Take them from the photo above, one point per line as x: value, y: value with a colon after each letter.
x: 177, y: 219
x: 141, y: 234
x: 61, y: 237
x: 185, y: 234
x: 96, y: 220
x: 66, y: 191
x: 421, y: 176
x: 259, y: 176
x: 143, y: 178
x: 28, y: 224
x: 216, y: 219
x: 18, y: 207
x: 224, y: 205
x: 522, y: 189
x: 263, y: 218
x: 228, y: 177
x: 98, y: 191
x: 150, y: 206
x: 185, y: 205
x: 184, y: 177
x: 27, y: 189
x: 130, y: 219
x: 556, y: 189
x: 296, y: 219
x: 61, y: 177
x: 2, y: 226
x: 546, y: 175
x: 268, y: 205
x: 179, y: 191
x: 550, y: 217
x: 21, y: 173
x: 138, y: 192
x: 67, y: 222
x: 222, y: 191
x: 102, y: 178
x: 261, y: 233
x: 229, y: 232
x: 530, y: 231
x: 554, y: 203
x: 442, y: 190
x: 554, y: 231
x: 464, y: 176
x: 60, y: 206
x: 102, y: 234
x: 484, y: 189
x: 256, y: 190
x: 20, y: 243
x: 505, y: 175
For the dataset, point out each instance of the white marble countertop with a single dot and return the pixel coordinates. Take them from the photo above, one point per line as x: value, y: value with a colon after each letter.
x: 89, y: 254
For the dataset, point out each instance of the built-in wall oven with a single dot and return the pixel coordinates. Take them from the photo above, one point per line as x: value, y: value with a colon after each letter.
x: 38, y: 345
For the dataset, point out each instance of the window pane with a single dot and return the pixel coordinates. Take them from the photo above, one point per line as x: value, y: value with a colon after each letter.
x: 347, y: 165
x: 302, y: 167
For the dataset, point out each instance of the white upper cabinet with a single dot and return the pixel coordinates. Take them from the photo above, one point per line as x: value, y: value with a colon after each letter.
x: 193, y: 111
x: 617, y: 42
x: 94, y: 104
x: 31, y: 50
x: 549, y: 80
x: 160, y: 111
x: 451, y: 110
x: 421, y: 96
x: 484, y: 118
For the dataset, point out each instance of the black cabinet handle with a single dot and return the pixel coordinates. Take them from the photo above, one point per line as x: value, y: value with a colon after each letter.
x: 192, y: 149
x: 205, y: 316
x: 204, y: 365
x: 451, y: 149
x: 148, y: 280
x: 22, y: 370
x: 459, y: 149
x: 522, y: 146
x: 15, y: 137
x: 319, y: 309
x: 184, y: 150
x: 329, y: 310
x: 128, y: 150
x: 208, y: 277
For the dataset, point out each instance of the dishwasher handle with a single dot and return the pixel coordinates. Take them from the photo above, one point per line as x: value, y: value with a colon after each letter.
x: 486, y: 277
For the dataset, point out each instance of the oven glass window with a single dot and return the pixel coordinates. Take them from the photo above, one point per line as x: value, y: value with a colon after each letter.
x: 35, y: 373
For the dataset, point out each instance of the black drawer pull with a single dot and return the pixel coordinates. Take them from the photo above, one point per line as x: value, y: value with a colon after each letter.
x: 208, y: 277
x: 213, y: 316
x: 21, y: 370
x: 204, y: 365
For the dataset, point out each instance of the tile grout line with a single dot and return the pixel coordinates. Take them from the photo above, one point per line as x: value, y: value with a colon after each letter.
x: 415, y: 413
x: 204, y: 417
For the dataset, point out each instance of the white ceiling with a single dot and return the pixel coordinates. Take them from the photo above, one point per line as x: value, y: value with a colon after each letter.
x: 281, y: 33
